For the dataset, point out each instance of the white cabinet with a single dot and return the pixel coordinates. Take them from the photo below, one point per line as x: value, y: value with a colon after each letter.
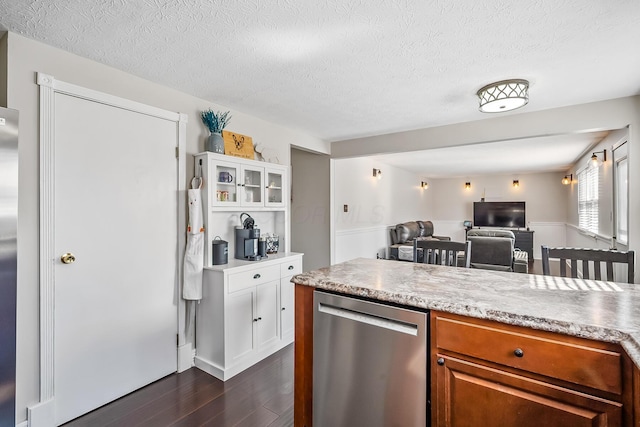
x: 235, y: 182
x: 246, y: 313
x: 233, y: 185
x: 275, y: 186
x: 287, y: 301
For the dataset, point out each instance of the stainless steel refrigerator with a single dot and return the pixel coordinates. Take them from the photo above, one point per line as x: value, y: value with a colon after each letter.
x: 8, y: 263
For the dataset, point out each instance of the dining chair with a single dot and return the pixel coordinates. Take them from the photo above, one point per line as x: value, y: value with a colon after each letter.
x: 442, y: 252
x: 587, y: 256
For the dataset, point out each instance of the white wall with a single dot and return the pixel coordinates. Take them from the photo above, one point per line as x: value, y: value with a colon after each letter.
x: 605, y: 201
x: 373, y: 206
x: 25, y: 58
x: 310, y: 201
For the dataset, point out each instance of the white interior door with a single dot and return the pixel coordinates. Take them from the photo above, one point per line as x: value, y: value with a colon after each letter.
x: 116, y: 212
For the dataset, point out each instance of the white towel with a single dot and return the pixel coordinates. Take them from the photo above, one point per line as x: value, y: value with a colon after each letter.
x: 194, y: 252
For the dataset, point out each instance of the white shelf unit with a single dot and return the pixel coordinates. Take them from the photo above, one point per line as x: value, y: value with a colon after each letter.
x: 247, y: 307
x: 257, y: 188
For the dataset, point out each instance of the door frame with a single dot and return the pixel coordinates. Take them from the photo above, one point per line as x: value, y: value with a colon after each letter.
x: 42, y: 413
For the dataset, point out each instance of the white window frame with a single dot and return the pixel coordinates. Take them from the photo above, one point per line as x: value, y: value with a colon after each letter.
x: 588, y: 199
x: 621, y: 193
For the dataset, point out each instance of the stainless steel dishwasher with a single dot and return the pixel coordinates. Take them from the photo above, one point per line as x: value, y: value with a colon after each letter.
x: 369, y: 364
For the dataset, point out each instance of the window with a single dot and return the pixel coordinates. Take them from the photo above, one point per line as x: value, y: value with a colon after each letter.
x: 588, y: 199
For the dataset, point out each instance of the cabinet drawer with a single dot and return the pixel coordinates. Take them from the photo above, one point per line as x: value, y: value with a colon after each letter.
x: 290, y: 268
x: 247, y: 279
x: 565, y: 358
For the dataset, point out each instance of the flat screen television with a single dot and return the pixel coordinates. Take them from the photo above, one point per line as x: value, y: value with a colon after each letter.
x: 499, y: 214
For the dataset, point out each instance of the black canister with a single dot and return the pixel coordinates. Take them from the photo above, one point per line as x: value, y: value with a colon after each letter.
x: 219, y: 251
x: 262, y: 248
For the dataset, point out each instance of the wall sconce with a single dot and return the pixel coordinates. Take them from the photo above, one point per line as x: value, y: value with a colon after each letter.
x: 467, y: 185
x: 424, y: 185
x: 516, y: 183
x: 377, y: 173
x: 595, y: 161
x: 568, y: 179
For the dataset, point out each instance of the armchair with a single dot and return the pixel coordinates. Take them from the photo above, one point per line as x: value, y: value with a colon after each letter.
x: 403, y: 235
x: 494, y: 250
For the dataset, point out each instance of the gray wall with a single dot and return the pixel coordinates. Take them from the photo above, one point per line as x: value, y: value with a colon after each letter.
x: 310, y: 208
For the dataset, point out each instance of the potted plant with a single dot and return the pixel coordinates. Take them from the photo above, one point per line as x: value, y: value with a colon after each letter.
x: 215, y: 122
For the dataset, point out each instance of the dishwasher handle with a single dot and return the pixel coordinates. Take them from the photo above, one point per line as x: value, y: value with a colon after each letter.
x: 369, y: 319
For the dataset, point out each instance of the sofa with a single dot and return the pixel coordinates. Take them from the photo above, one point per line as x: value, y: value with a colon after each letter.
x: 495, y: 250
x: 402, y: 236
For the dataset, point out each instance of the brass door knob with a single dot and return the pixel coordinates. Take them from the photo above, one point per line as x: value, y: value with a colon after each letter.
x: 68, y: 258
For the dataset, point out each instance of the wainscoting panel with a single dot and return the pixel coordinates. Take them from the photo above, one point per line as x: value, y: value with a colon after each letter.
x: 553, y: 234
x: 362, y: 243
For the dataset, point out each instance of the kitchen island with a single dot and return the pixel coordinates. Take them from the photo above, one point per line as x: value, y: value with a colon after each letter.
x: 576, y: 343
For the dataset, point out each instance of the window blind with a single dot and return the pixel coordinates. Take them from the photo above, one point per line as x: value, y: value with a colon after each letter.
x: 588, y: 199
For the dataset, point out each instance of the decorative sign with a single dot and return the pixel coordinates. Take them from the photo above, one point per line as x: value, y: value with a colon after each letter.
x: 238, y: 145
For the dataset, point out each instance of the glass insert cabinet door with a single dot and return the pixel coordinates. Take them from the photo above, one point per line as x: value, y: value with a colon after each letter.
x: 274, y: 188
x: 226, y: 190
x: 252, y: 186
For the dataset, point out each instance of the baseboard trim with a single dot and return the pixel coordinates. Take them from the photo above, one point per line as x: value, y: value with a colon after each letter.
x: 42, y: 414
x: 225, y: 374
x: 185, y: 357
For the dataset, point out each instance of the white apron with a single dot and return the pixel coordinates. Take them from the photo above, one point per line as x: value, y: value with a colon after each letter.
x: 194, y: 253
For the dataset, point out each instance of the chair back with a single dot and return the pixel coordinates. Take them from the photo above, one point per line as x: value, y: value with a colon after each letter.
x: 492, y: 252
x: 442, y: 252
x: 585, y: 256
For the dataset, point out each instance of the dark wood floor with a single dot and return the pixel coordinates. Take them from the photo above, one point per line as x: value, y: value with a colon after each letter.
x: 261, y: 396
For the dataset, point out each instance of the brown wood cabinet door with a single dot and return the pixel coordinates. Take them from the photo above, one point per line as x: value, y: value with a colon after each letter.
x: 473, y: 395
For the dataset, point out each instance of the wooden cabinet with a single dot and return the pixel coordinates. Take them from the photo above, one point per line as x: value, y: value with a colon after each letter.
x: 245, y: 314
x: 487, y: 374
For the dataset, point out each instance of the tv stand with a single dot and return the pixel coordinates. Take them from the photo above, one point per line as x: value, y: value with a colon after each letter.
x: 524, y: 241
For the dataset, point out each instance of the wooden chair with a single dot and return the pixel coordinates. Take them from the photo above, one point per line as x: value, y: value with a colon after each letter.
x: 442, y: 252
x: 596, y: 256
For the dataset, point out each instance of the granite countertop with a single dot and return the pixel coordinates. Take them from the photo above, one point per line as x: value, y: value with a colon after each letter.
x: 603, y: 311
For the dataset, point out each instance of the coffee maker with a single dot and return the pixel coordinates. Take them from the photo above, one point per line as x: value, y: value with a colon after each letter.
x: 248, y: 246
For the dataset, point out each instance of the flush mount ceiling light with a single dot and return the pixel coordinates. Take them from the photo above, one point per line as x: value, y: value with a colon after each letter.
x: 505, y: 95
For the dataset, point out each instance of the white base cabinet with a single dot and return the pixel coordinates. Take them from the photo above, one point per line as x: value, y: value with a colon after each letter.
x: 246, y: 313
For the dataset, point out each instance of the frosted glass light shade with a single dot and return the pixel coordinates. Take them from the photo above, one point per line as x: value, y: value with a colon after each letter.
x: 505, y: 95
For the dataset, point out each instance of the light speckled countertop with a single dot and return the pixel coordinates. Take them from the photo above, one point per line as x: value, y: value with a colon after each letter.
x: 602, y: 311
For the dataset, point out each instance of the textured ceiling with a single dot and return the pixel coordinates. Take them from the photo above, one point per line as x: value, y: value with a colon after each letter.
x: 339, y: 69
